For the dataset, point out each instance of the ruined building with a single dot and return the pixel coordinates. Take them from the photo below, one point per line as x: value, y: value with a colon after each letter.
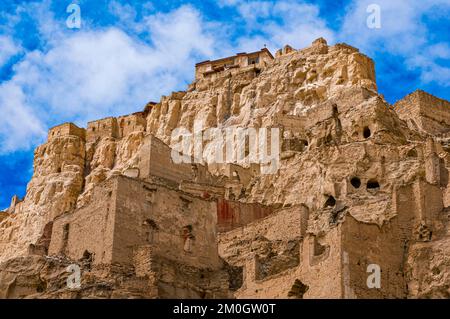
x: 361, y: 183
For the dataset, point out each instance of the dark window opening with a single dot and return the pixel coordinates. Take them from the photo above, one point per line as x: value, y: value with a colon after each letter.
x: 335, y: 109
x: 331, y: 202
x: 235, y: 275
x: 151, y: 229
x: 66, y: 230
x: 151, y: 223
x: 318, y: 248
x: 41, y: 287
x: 305, y: 143
x: 373, y: 184
x: 356, y: 182
x: 253, y: 60
x: 298, y: 290
x: 188, y: 237
x: 412, y: 153
x: 366, y: 132
x: 87, y: 259
x: 87, y: 256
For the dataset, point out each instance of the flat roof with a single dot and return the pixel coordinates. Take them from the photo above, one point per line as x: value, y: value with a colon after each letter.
x: 64, y: 124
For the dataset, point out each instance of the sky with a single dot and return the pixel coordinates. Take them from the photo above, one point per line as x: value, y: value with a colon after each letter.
x: 127, y: 53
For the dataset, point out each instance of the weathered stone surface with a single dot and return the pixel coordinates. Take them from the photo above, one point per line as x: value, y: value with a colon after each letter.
x: 360, y: 183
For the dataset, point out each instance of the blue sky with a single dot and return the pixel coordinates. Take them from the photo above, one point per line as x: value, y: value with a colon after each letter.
x: 127, y: 53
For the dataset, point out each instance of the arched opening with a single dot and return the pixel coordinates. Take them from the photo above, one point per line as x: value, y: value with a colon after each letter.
x: 356, y: 182
x: 330, y: 202
x: 373, y: 184
x: 366, y: 132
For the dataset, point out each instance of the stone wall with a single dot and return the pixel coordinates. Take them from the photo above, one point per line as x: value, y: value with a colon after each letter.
x: 135, y: 122
x: 180, y: 227
x: 66, y: 129
x: 89, y: 229
x: 424, y: 112
x: 107, y: 127
x: 232, y: 214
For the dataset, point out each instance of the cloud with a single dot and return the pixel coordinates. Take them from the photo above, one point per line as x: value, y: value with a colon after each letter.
x: 278, y: 23
x: 404, y: 32
x: 8, y: 49
x: 93, y: 73
x: 19, y: 127
x: 103, y: 70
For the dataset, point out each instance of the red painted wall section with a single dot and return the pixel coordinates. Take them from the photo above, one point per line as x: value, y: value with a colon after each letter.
x: 231, y: 214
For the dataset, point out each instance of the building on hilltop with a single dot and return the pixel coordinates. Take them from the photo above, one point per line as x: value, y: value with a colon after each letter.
x: 107, y: 127
x: 360, y: 184
x: 66, y: 129
x: 240, y: 60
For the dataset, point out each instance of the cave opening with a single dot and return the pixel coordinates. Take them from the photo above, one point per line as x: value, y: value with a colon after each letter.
x: 366, y: 132
x: 373, y: 184
x: 330, y: 202
x: 356, y: 182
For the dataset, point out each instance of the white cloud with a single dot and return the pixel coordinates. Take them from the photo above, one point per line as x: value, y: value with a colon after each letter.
x: 8, y: 49
x: 19, y: 127
x: 402, y: 33
x: 90, y: 74
x: 279, y: 23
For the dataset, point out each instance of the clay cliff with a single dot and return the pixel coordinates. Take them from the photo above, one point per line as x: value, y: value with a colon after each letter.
x: 360, y: 182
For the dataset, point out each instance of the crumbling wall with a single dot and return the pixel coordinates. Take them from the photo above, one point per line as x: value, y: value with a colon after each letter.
x: 135, y: 122
x: 424, y: 112
x: 107, y: 127
x: 155, y: 159
x: 233, y: 214
x: 368, y: 244
x: 88, y: 231
x: 180, y: 227
x: 66, y: 129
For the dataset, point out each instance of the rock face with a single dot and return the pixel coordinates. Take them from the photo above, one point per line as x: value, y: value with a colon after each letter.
x: 361, y: 190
